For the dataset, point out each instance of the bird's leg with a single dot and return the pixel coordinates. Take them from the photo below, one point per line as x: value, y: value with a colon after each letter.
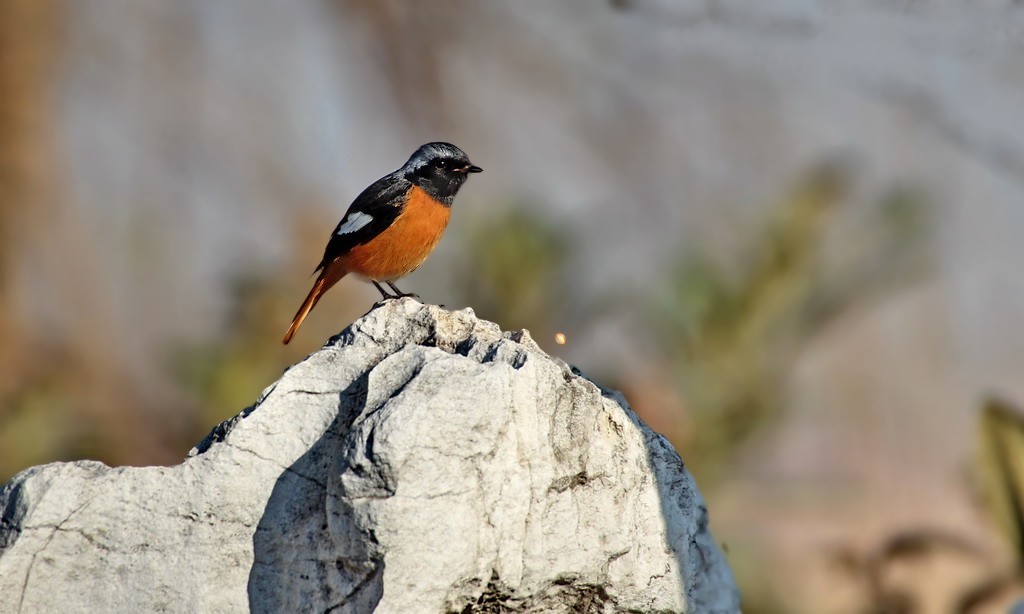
x: 401, y: 294
x: 383, y: 293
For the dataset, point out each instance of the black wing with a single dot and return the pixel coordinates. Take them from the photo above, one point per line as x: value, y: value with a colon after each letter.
x: 383, y: 201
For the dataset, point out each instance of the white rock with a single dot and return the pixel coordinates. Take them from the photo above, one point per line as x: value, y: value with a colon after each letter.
x: 423, y: 461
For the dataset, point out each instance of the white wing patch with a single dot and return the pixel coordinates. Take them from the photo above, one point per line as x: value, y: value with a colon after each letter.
x: 354, y: 222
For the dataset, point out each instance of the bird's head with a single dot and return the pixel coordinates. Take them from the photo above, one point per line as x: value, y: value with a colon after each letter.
x: 440, y: 169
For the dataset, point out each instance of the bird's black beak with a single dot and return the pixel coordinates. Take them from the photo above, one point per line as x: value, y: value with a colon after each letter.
x: 471, y: 169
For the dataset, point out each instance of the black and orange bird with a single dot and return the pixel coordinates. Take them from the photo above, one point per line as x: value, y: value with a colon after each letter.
x: 391, y: 228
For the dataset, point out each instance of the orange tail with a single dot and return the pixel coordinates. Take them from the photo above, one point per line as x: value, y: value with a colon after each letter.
x: 328, y: 277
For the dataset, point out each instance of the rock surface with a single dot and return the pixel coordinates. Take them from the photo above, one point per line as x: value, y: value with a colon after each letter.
x: 422, y: 461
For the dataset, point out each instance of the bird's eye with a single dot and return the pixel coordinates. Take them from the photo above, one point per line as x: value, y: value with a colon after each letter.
x: 441, y: 163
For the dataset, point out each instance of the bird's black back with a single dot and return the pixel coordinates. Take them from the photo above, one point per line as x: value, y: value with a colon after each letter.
x: 383, y: 201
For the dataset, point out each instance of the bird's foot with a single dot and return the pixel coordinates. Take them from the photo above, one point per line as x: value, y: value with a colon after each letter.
x: 399, y: 294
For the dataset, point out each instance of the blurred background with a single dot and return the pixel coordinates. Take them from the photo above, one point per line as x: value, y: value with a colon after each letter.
x: 791, y: 231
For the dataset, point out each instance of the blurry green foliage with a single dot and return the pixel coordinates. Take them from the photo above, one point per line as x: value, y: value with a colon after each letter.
x: 62, y: 410
x: 514, y: 271
x: 1000, y: 471
x: 27, y: 433
x: 227, y: 374
x: 730, y: 336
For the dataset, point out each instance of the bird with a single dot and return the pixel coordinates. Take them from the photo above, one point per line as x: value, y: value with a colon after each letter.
x: 393, y: 225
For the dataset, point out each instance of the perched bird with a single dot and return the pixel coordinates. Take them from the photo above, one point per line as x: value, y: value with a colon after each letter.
x: 391, y: 228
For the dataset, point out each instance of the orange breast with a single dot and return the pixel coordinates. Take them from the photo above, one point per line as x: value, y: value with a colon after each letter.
x: 405, y: 244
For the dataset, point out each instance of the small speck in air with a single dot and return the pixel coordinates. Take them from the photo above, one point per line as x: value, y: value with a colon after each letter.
x: 560, y: 338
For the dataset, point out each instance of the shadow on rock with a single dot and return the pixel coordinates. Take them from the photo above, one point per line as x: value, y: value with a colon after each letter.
x: 702, y: 573
x: 309, y: 554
